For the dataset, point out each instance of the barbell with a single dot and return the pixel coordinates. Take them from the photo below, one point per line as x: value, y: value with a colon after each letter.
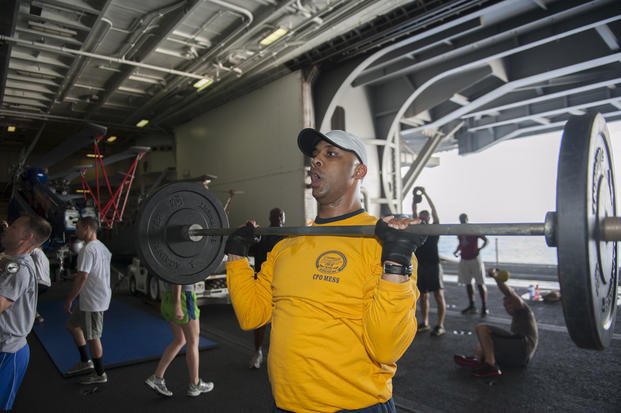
x: 182, y: 227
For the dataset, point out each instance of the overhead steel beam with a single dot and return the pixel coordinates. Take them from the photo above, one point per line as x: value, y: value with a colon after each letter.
x: 563, y: 109
x: 8, y: 21
x: 483, y: 140
x: 167, y: 27
x: 39, y: 115
x: 547, y: 97
x: 90, y: 44
x: 570, y: 19
x: 419, y: 163
x: 562, y: 32
x: 242, y: 30
x: 507, y: 88
x: 438, y: 75
x: 41, y: 46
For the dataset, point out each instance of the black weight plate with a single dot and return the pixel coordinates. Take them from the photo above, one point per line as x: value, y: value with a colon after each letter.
x: 587, y: 267
x: 162, y: 248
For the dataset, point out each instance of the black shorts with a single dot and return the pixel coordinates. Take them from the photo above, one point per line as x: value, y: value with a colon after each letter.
x: 429, y: 278
x: 510, y: 350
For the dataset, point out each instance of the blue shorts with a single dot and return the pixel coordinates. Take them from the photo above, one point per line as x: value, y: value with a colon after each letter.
x: 12, y: 370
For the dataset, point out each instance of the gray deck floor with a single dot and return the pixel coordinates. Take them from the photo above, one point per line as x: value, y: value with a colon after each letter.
x: 561, y: 377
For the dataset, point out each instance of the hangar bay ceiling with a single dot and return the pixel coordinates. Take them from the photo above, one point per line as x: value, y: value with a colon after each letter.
x: 440, y: 74
x: 115, y: 62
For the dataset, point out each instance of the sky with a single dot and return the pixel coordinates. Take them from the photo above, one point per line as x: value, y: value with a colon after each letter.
x: 513, y: 181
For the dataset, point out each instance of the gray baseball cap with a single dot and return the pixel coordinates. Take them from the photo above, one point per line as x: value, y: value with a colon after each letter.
x: 308, y: 139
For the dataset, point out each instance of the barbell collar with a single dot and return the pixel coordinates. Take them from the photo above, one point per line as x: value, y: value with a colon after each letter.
x: 610, y: 229
x: 549, y: 229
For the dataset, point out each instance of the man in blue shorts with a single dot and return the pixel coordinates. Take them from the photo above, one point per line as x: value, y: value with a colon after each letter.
x: 18, y: 301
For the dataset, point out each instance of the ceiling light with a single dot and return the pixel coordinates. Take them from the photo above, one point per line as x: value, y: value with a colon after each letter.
x: 94, y: 155
x: 111, y: 139
x: 81, y: 191
x: 272, y: 37
x: 202, y: 83
x: 147, y: 79
x: 142, y: 123
x: 10, y: 128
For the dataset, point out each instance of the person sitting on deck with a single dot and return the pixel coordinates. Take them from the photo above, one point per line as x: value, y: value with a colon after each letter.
x: 497, y: 346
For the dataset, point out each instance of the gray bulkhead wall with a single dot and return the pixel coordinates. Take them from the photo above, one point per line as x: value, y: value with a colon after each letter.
x: 359, y: 121
x: 250, y: 144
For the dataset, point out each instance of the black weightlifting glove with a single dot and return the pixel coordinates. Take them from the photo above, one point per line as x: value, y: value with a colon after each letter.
x: 397, y: 245
x: 240, y: 241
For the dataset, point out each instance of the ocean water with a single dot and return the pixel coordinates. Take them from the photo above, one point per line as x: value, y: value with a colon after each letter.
x: 513, y: 249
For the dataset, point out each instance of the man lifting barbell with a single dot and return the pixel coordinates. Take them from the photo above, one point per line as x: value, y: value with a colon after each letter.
x: 342, y: 308
x: 182, y: 231
x: 499, y: 347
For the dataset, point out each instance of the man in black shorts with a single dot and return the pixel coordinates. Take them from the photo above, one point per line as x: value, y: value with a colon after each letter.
x: 429, y: 270
x: 499, y: 347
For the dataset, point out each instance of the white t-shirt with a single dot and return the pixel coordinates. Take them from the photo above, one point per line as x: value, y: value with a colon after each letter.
x: 42, y: 266
x: 94, y: 260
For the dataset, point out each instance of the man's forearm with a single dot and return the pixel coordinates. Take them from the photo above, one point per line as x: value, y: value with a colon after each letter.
x: 78, y: 283
x: 434, y: 212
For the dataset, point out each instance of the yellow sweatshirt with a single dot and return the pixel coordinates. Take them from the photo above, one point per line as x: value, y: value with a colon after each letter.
x: 337, y: 327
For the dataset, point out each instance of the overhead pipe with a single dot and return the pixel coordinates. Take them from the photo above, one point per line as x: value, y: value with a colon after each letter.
x: 411, y: 25
x: 201, y: 60
x: 78, y: 65
x: 70, y: 119
x: 144, y: 22
x: 193, y: 101
x: 8, y: 26
x: 238, y: 10
x: 349, y: 8
x: 235, y: 8
x: 62, y: 49
x: 142, y: 48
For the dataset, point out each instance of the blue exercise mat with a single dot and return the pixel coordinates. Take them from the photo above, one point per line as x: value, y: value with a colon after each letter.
x: 130, y: 335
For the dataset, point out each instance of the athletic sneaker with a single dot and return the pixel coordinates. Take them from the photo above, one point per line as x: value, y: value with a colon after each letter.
x: 159, y: 385
x: 95, y: 378
x: 484, y: 311
x: 438, y: 331
x: 471, y: 309
x: 487, y: 370
x: 423, y: 327
x: 81, y: 367
x: 202, y: 387
x: 467, y: 361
